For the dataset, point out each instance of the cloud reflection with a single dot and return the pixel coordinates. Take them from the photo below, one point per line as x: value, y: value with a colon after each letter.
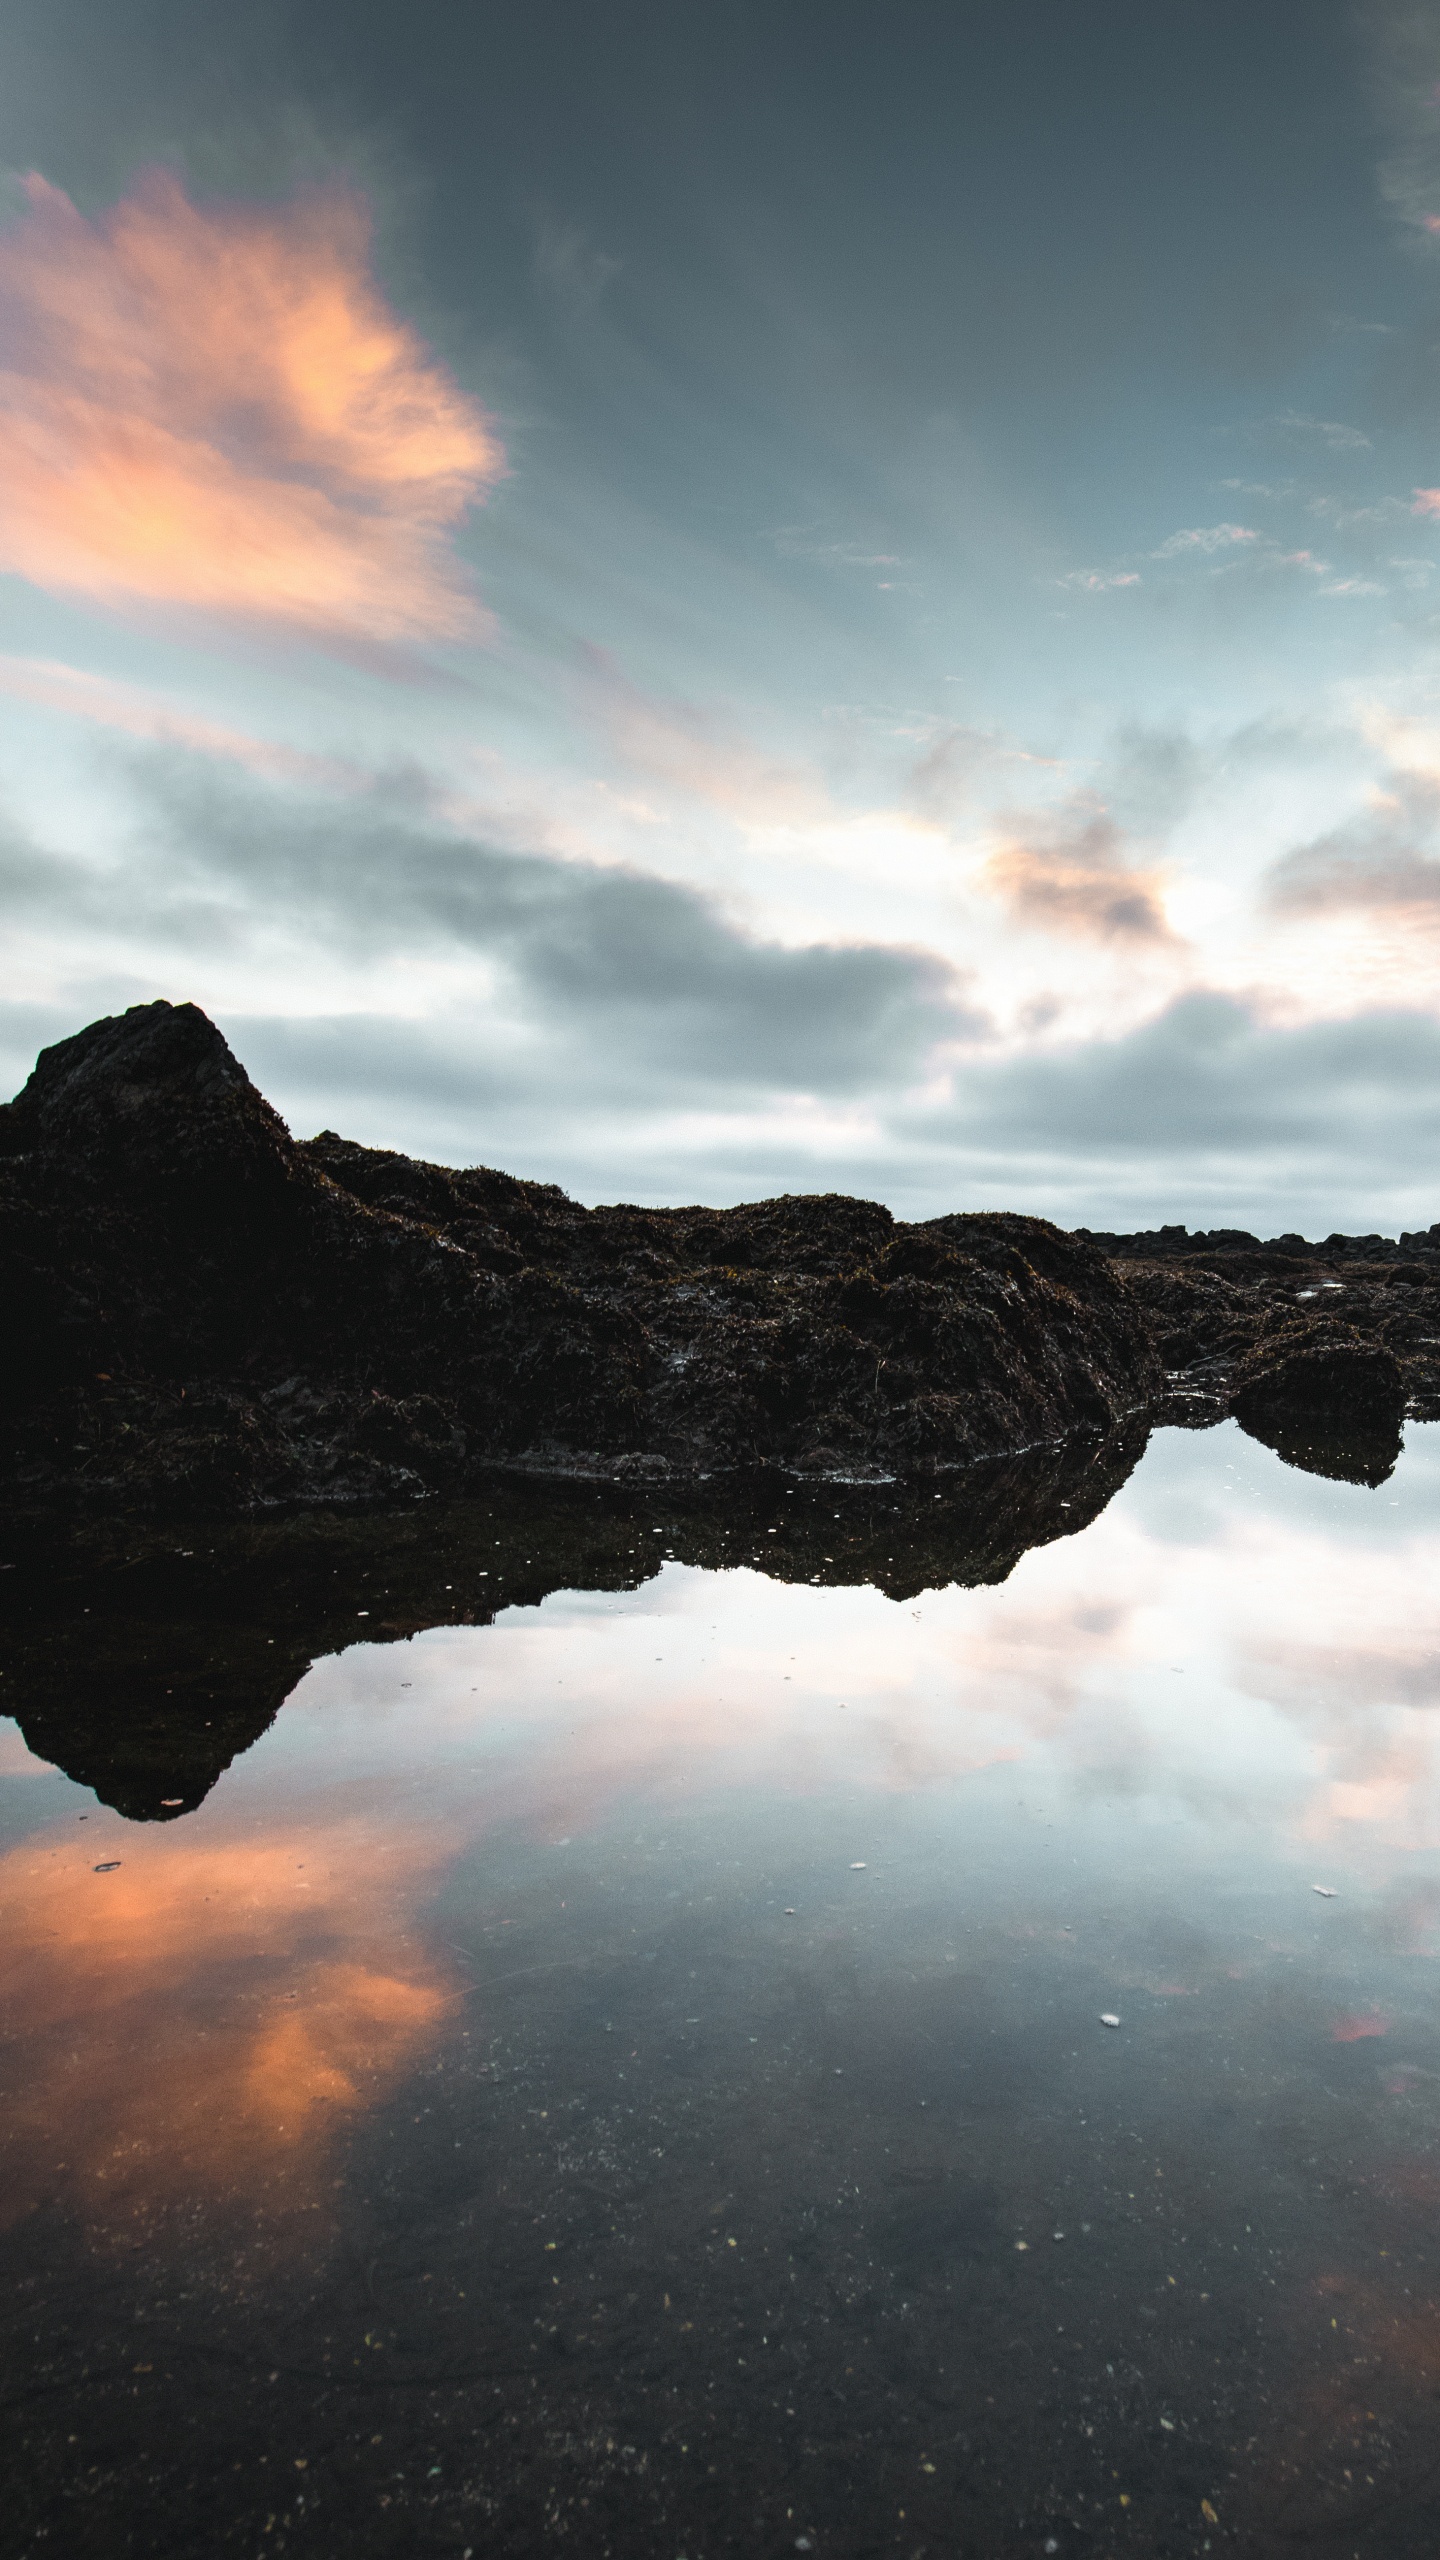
x: 212, y: 2012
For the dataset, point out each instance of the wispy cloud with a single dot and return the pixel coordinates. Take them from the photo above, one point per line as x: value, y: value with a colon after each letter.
x: 111, y: 704
x: 798, y: 542
x: 697, y: 752
x: 1095, y: 581
x: 1405, y: 40
x: 1294, y: 426
x: 214, y: 408
x: 569, y: 264
x: 1206, y: 538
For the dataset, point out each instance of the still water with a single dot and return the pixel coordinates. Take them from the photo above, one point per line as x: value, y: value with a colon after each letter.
x: 632, y: 2075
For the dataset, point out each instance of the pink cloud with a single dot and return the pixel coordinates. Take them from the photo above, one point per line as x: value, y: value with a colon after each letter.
x: 112, y: 704
x: 215, y: 408
x: 1067, y: 872
x: 696, y: 753
x: 1351, y: 2030
x: 1425, y: 502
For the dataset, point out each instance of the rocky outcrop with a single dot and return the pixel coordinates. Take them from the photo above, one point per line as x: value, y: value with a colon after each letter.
x: 1318, y: 1349
x: 200, y: 1311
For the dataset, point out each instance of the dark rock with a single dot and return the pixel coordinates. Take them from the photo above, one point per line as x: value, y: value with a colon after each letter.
x: 1324, y: 1398
x: 200, y: 1312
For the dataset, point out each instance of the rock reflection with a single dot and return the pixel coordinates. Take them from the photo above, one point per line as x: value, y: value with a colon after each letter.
x: 1350, y: 1449
x: 142, y: 1660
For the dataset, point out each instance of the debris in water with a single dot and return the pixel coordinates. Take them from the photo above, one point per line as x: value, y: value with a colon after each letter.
x: 107, y: 1866
x: 857, y: 1866
x: 1108, y: 2018
x: 1327, y: 1892
x: 172, y: 1800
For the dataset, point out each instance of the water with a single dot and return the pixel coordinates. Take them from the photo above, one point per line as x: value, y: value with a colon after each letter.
x: 630, y: 2076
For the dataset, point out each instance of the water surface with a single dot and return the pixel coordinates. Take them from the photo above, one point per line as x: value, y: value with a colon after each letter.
x: 629, y: 2075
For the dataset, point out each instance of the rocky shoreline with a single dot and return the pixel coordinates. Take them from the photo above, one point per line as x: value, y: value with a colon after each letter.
x: 205, y: 1315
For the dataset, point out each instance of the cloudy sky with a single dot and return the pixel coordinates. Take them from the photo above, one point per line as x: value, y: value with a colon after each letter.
x: 704, y: 602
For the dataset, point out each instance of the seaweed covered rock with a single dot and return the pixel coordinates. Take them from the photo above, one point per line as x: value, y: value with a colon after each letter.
x: 199, y: 1309
x: 1324, y: 1397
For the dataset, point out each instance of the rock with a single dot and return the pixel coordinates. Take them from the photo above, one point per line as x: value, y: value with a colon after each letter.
x: 1324, y: 1398
x: 1318, y: 1349
x: 202, y: 1312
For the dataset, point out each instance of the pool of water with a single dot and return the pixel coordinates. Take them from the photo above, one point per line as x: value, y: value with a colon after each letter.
x: 678, y: 2056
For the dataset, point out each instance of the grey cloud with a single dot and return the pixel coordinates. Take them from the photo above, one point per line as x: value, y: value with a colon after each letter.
x: 1383, y: 858
x: 1405, y: 67
x: 1154, y: 776
x: 1207, y: 1075
x: 651, y: 975
x: 1206, y: 1113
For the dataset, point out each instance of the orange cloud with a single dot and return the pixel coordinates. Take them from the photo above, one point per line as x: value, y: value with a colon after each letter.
x: 216, y: 2010
x: 1067, y: 874
x: 215, y: 408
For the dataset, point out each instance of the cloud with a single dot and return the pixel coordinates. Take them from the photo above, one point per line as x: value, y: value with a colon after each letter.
x: 113, y: 704
x: 1293, y: 427
x: 1094, y: 582
x: 797, y: 542
x: 1209, y: 1078
x: 1207, y: 1112
x: 568, y: 263
x: 214, y: 409
x: 1405, y: 43
x: 594, y: 977
x: 1339, y: 512
x: 696, y: 752
x: 1206, y: 538
x: 1381, y: 860
x: 1067, y: 873
x: 341, y: 2001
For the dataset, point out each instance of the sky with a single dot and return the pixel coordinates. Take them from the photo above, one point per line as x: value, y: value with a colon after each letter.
x: 705, y: 603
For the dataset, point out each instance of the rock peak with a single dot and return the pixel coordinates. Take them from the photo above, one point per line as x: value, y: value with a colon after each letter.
x: 155, y: 1097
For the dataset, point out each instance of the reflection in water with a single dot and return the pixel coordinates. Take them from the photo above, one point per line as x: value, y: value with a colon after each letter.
x: 1354, y: 1449
x: 619, y: 2060
x: 210, y: 2010
x: 203, y: 1634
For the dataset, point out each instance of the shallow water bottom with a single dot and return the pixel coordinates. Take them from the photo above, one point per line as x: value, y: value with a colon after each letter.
x: 631, y: 2077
